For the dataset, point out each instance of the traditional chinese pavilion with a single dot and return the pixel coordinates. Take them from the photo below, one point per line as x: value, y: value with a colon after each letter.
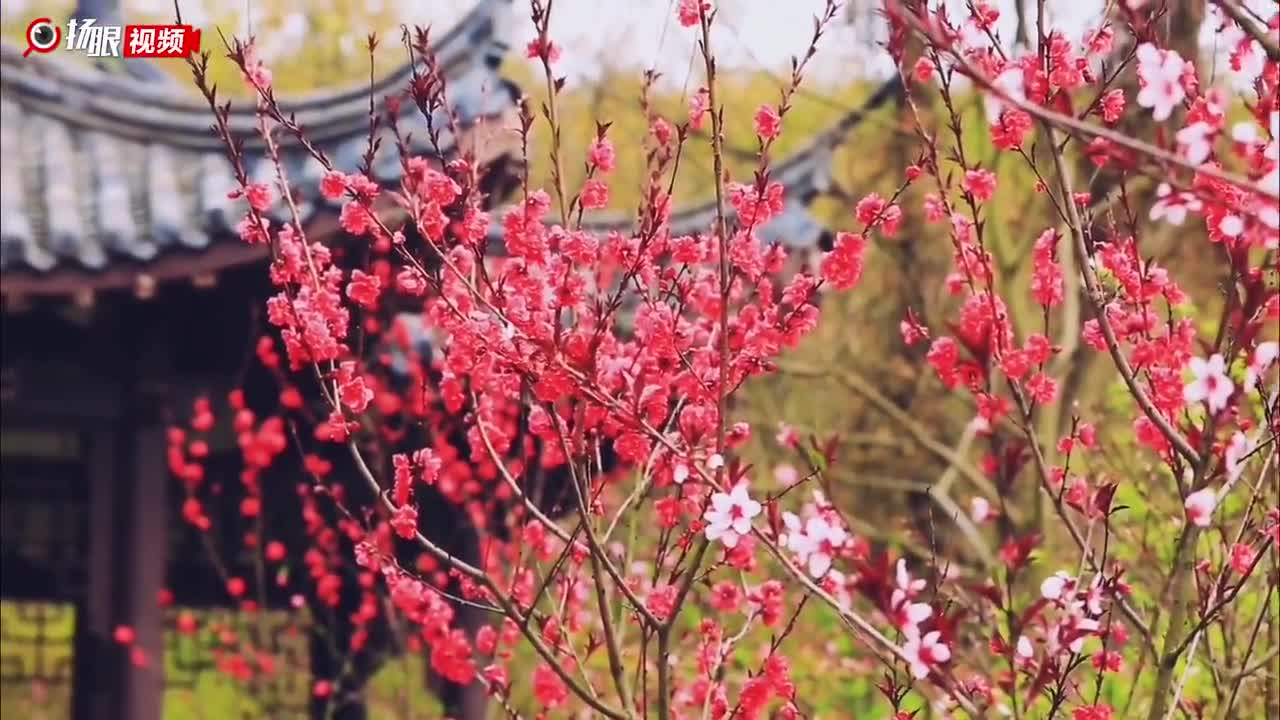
x: 126, y: 292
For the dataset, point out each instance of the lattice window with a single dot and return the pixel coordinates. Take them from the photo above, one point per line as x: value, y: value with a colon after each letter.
x: 37, y: 654
x: 249, y: 664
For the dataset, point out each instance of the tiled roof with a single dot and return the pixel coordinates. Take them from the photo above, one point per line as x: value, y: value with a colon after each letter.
x: 140, y: 185
x: 101, y: 168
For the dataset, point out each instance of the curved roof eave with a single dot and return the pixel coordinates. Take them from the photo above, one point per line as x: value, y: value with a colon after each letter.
x: 106, y: 178
x: 126, y: 106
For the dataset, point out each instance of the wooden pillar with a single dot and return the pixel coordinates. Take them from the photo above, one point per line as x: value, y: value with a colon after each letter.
x: 96, y: 682
x: 144, y: 556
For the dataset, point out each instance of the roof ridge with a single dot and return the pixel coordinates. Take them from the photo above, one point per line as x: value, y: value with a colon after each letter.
x: 131, y: 107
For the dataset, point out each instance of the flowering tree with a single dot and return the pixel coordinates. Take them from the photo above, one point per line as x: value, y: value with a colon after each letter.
x: 659, y: 574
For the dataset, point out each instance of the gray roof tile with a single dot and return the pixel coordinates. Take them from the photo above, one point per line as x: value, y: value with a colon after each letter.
x: 101, y: 167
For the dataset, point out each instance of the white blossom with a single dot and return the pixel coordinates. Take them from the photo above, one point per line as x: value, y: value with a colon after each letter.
x: 1196, y: 141
x: 1161, y: 74
x: 730, y: 514
x: 1210, y: 383
x: 1173, y: 207
x: 1263, y: 355
x: 1053, y: 586
x: 1200, y: 505
x: 923, y: 652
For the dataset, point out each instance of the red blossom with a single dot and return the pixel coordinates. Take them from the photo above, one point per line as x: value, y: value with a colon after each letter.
x: 981, y: 184
x: 548, y: 688
x: 595, y: 194
x: 688, y: 11
x: 602, y: 155
x: 768, y: 122
x: 842, y: 267
x: 334, y: 185
x: 364, y: 289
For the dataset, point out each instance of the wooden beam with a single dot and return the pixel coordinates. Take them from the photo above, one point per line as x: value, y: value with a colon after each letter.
x: 145, y: 531
x: 178, y: 264
x: 96, y: 689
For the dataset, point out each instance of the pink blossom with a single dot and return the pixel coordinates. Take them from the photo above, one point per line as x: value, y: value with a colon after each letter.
x: 1233, y: 457
x: 364, y: 289
x: 680, y: 473
x: 842, y: 267
x: 1053, y: 586
x: 923, y: 70
x: 602, y: 155
x: 980, y: 509
x: 906, y: 613
x: 548, y: 688
x: 1200, y: 505
x: 1160, y: 72
x: 351, y: 387
x: 1024, y: 648
x: 547, y: 51
x: 405, y: 521
x: 1042, y: 388
x: 1210, y: 383
x: 1263, y: 355
x: 1173, y: 207
x: 699, y: 105
x: 252, y: 232
x: 355, y: 218
x: 689, y: 10
x: 924, y: 652
x: 333, y: 185
x: 595, y: 194
x: 1093, y: 712
x: 785, y: 475
x: 1242, y: 558
x: 662, y: 601
x: 730, y: 514
x: 816, y: 543
x: 259, y: 196
x: 1195, y: 142
x: 1113, y: 105
x: 981, y: 183
x: 768, y: 122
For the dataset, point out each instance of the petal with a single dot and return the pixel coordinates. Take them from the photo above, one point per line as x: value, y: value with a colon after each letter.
x: 721, y: 502
x: 1199, y: 367
x: 816, y: 528
x: 1195, y: 392
x: 819, y: 564
x: 1148, y: 55
x: 904, y: 580
x: 1265, y: 354
x: 730, y: 539
x: 791, y: 521
x: 918, y: 613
